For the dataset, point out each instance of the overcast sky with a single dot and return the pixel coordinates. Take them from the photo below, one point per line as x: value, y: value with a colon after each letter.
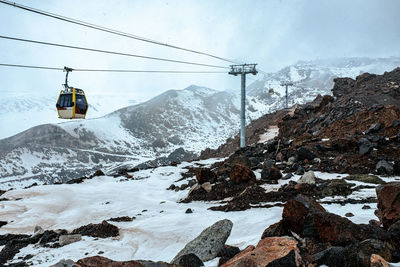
x: 273, y: 33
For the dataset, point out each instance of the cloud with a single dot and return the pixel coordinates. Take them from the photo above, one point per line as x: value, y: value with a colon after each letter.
x: 272, y: 33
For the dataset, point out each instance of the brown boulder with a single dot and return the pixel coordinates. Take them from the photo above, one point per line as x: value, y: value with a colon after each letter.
x: 241, y: 174
x: 307, y: 218
x: 337, y: 230
x: 295, y: 212
x: 388, y: 203
x: 205, y: 175
x: 267, y: 250
x: 98, y: 261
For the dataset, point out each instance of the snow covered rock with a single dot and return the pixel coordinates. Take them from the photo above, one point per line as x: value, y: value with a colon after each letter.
x: 209, y: 243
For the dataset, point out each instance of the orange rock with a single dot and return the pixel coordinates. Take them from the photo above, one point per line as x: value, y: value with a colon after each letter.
x: 378, y: 261
x: 266, y: 251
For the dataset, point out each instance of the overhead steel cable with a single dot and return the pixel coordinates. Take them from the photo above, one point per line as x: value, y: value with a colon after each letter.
x: 111, y: 52
x: 107, y: 70
x: 108, y: 30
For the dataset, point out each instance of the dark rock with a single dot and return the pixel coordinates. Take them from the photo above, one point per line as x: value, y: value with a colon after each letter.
x: 349, y: 214
x: 300, y: 170
x: 287, y: 176
x: 205, y: 175
x: 189, y: 211
x: 333, y: 256
x: 276, y: 229
x: 2, y: 223
x: 98, y: 173
x: 384, y: 167
x: 171, y: 187
x: 122, y: 219
x: 268, y: 164
x: 271, y: 173
x: 227, y: 253
x: 396, y: 167
x: 241, y: 174
x: 102, y: 230
x: 364, y: 146
x: 388, y: 206
x: 375, y: 127
x: 189, y: 260
x: 366, y: 207
x: 288, y: 261
x: 183, y: 186
x: 360, y: 254
x: 303, y: 153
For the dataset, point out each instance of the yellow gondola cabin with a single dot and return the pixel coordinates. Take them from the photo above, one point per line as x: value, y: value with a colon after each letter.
x: 71, y: 103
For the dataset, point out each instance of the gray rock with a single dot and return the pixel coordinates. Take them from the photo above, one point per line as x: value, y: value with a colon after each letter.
x: 299, y: 170
x: 384, y: 167
x: 291, y: 161
x: 307, y: 178
x: 64, y: 263
x: 207, y: 186
x: 364, y: 146
x: 68, y: 239
x: 207, y: 245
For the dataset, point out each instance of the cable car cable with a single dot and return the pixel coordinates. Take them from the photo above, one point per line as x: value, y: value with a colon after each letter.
x: 111, y: 52
x: 107, y: 70
x: 108, y: 30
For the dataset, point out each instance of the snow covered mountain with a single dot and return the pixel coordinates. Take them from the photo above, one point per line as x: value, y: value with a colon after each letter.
x: 315, y: 77
x: 176, y: 124
x: 31, y: 109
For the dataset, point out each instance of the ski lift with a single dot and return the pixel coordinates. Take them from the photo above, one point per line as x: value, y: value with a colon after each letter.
x: 71, y: 103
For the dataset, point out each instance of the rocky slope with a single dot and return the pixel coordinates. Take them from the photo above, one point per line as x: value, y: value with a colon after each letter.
x: 351, y: 131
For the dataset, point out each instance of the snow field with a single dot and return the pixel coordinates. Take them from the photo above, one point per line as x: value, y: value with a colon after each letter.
x: 158, y: 233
